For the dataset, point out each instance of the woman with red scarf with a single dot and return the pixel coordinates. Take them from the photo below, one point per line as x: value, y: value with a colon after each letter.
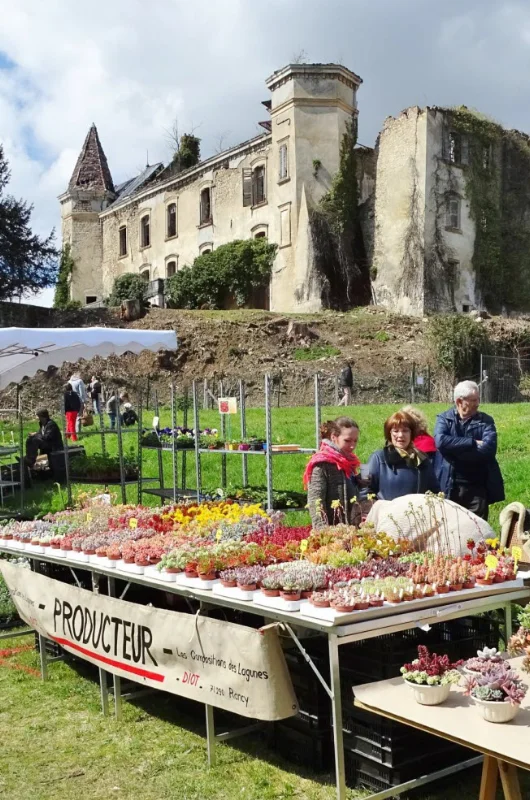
x: 331, y: 475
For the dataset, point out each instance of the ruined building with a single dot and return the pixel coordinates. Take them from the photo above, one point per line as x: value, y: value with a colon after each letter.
x: 435, y: 218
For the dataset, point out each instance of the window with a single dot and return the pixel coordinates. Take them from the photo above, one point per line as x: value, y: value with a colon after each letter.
x: 145, y: 274
x: 260, y: 235
x: 122, y: 234
x: 457, y: 148
x: 254, y: 186
x: 145, y: 231
x: 258, y: 185
x: 465, y: 308
x: 90, y: 298
x: 171, y: 220
x: 205, y: 251
x: 283, y: 163
x: 285, y: 225
x: 206, y: 207
x: 171, y: 269
x: 452, y: 213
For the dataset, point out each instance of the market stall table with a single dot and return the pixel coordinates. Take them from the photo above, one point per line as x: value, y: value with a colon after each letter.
x: 354, y: 627
x: 505, y: 747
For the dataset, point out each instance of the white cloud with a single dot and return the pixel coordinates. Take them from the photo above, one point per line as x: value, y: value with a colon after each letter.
x: 131, y: 67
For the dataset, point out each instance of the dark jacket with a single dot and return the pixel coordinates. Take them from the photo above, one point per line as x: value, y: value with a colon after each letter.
x: 72, y: 402
x: 346, y: 377
x: 328, y: 483
x: 95, y: 390
x: 49, y: 437
x: 391, y: 476
x: 463, y: 458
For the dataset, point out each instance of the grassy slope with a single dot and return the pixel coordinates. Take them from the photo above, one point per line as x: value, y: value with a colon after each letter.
x: 298, y: 425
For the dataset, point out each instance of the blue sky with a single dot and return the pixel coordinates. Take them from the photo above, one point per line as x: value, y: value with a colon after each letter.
x: 133, y: 68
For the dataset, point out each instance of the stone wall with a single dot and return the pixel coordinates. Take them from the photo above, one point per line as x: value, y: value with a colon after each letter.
x: 22, y: 315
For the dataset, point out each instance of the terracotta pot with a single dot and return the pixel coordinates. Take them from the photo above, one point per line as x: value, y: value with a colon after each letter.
x: 173, y: 570
x: 377, y: 602
x: 229, y: 584
x: 141, y: 562
x: 55, y: 546
x: 270, y: 592
x: 320, y: 603
x: 114, y: 558
x: 291, y: 596
x: 362, y: 606
x: 89, y: 552
x: 7, y: 537
x: 307, y: 595
x: 129, y: 560
x: 207, y: 576
x: 154, y: 561
x: 456, y: 587
x: 484, y: 581
x: 407, y: 597
x: 247, y: 587
x: 510, y: 576
x: 442, y: 589
x: 47, y: 544
x: 191, y: 573
x: 344, y: 609
x: 499, y: 578
x: 468, y: 585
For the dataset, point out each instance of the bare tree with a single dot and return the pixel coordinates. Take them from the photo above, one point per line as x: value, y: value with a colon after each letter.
x: 220, y: 141
x: 300, y: 58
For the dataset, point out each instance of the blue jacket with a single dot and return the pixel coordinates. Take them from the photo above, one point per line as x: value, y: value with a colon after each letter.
x: 391, y: 477
x: 456, y: 440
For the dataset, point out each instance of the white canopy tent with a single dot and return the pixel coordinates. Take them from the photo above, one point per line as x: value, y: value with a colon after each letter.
x: 25, y: 351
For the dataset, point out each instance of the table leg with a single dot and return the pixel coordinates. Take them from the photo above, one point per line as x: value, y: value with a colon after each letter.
x: 210, y: 735
x: 336, y: 705
x: 510, y: 781
x: 488, y: 783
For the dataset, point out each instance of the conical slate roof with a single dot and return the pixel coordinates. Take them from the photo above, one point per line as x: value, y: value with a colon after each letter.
x: 92, y: 170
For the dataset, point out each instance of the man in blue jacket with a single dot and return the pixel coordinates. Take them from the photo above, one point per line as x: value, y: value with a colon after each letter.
x: 467, y: 439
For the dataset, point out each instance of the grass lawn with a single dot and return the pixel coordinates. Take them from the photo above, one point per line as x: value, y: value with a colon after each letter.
x: 297, y: 425
x: 57, y: 744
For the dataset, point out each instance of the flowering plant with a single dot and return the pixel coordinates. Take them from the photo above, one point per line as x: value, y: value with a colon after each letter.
x: 499, y: 684
x: 430, y: 669
x: 484, y: 660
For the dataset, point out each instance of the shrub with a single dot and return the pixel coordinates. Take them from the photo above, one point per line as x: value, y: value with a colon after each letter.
x: 128, y: 286
x: 232, y: 272
x: 457, y: 342
x: 314, y: 353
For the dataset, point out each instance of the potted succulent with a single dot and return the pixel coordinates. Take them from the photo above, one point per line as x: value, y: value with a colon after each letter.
x: 430, y: 676
x: 484, y: 577
x: 248, y: 578
x: 114, y: 552
x: 519, y: 643
x: 497, y: 693
x: 228, y: 578
x: 272, y: 583
x: 206, y: 566
x: 483, y: 661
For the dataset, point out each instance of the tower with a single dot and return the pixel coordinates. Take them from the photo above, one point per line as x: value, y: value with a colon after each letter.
x: 89, y: 192
x: 311, y: 107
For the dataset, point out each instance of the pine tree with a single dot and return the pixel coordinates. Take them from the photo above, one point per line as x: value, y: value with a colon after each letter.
x: 28, y: 263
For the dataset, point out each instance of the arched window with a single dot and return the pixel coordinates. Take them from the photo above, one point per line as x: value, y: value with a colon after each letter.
x: 145, y: 231
x: 171, y: 220
x: 144, y: 273
x: 171, y: 268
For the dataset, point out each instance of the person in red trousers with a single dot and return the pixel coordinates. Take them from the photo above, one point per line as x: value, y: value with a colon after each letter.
x: 72, y: 407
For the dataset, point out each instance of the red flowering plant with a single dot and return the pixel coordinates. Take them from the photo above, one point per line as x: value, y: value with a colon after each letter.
x: 430, y: 669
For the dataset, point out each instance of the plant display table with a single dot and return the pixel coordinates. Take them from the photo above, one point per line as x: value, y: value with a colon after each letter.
x: 457, y: 720
x: 359, y: 625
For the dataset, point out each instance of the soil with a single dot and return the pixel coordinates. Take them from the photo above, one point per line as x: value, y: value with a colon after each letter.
x: 246, y: 344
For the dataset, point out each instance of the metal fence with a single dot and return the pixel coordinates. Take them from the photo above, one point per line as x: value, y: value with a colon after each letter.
x: 504, y: 379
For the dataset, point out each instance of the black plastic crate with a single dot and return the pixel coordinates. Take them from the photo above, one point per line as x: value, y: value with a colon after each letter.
x: 313, y: 699
x: 312, y: 749
x: 309, y: 723
x: 53, y: 650
x: 363, y: 771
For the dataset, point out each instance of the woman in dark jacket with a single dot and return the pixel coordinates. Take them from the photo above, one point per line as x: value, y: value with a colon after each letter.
x: 331, y: 475
x: 399, y: 468
x: 72, y: 407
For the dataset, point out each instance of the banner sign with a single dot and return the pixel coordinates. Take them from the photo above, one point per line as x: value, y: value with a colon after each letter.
x: 219, y: 663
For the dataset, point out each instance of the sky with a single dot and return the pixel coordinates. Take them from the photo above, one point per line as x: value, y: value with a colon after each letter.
x: 134, y: 68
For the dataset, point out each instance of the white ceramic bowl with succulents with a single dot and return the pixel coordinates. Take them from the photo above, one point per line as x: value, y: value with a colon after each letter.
x: 483, y: 661
x: 497, y: 693
x: 430, y: 677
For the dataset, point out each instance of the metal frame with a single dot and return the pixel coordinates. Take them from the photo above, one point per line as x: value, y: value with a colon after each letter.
x: 337, y: 637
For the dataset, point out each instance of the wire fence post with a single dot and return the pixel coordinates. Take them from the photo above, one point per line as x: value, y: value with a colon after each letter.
x: 223, y: 436
x: 318, y: 415
x: 336, y: 382
x: 413, y: 383
x: 174, y: 441
x: 268, y: 436
x: 243, y: 410
x: 196, y: 440
x: 481, y: 378
x: 184, y: 425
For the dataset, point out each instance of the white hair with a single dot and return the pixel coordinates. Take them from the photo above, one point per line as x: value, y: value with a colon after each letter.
x: 464, y: 389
